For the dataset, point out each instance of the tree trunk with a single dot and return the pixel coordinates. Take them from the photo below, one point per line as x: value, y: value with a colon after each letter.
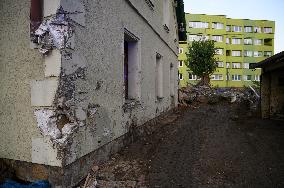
x: 205, y: 80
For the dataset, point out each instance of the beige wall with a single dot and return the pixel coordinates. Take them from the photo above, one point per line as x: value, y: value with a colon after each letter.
x: 90, y: 90
x: 19, y: 65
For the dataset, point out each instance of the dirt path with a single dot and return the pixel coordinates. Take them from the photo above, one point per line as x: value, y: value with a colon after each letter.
x: 211, y: 146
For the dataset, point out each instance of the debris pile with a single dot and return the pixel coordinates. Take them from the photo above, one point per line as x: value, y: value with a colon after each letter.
x: 193, y: 95
x: 116, y: 173
x: 130, y: 171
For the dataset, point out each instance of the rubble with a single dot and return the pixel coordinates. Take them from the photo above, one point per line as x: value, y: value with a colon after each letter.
x: 116, y: 173
x: 192, y: 95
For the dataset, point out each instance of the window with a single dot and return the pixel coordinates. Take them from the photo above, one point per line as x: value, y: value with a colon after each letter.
x: 180, y: 63
x: 257, y: 29
x: 166, y: 13
x: 257, y: 54
x: 192, y: 38
x: 180, y: 50
x: 236, y: 65
x: 132, y: 66
x: 248, y: 53
x: 267, y: 30
x: 237, y: 28
x: 268, y: 42
x: 219, y: 51
x: 236, y: 77
x: 236, y: 53
x: 159, y: 76
x: 248, y: 41
x: 193, y: 77
x: 198, y: 24
x: 228, y: 52
x: 197, y: 37
x: 267, y: 53
x: 256, y: 77
x: 236, y: 41
x: 180, y: 76
x: 216, y: 25
x: 217, y: 38
x: 228, y: 65
x: 220, y: 63
x: 247, y: 77
x: 246, y: 65
x: 257, y: 41
x: 227, y: 40
x: 248, y: 29
x: 204, y: 37
x: 228, y: 28
x: 217, y: 77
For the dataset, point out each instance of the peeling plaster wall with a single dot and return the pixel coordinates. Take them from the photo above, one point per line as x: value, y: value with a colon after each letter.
x: 84, y: 99
x: 19, y: 66
x: 99, y: 47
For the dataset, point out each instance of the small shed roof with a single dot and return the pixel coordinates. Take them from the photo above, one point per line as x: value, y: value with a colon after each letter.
x: 271, y: 61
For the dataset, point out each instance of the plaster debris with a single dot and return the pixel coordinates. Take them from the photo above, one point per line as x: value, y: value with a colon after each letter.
x: 80, y: 114
x: 54, y: 32
x: 58, y: 30
x: 67, y: 130
x: 46, y: 122
x: 205, y: 94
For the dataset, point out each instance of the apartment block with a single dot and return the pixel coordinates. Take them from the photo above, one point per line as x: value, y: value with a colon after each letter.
x: 238, y: 43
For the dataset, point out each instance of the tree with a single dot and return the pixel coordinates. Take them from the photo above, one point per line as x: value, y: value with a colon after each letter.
x: 200, y: 59
x: 181, y: 20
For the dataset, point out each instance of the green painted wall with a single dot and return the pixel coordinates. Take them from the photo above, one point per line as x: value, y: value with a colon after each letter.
x: 268, y: 38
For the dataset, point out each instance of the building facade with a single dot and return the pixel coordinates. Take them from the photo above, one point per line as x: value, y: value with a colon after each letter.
x: 77, y: 76
x: 239, y: 42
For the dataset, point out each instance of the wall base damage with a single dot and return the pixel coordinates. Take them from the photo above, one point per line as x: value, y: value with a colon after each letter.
x: 75, y: 172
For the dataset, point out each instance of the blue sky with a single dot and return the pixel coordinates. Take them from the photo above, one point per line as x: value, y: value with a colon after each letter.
x: 245, y: 9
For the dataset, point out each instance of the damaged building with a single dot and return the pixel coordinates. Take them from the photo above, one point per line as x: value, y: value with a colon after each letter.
x: 272, y: 86
x: 77, y: 76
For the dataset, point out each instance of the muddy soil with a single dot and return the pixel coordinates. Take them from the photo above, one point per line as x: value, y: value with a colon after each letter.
x: 210, y: 146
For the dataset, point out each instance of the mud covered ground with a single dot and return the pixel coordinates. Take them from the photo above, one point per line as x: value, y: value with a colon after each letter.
x: 222, y: 145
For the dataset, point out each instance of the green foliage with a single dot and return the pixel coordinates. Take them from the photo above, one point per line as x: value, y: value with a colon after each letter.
x: 200, y: 58
x: 256, y: 84
x: 181, y: 20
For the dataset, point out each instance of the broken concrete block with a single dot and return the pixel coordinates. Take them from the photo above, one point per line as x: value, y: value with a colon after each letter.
x: 46, y: 122
x: 43, y: 92
x: 52, y: 64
